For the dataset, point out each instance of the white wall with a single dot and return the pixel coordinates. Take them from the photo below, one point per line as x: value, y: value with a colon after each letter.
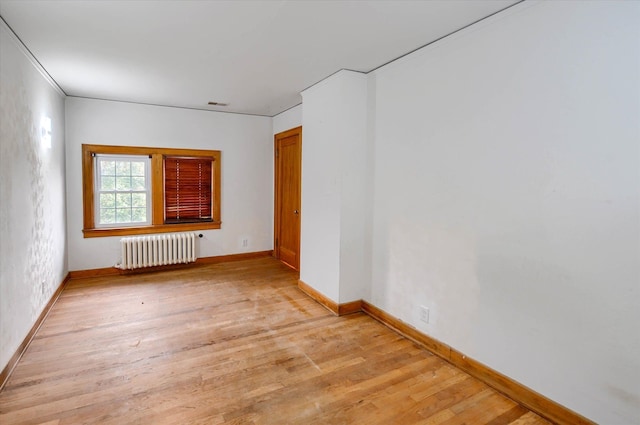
x: 33, y: 260
x: 332, y: 251
x: 247, y: 170
x: 506, y: 198
x: 320, y: 200
x: 291, y: 118
x: 355, y: 277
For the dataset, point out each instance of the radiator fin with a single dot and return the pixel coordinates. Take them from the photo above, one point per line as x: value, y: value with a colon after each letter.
x: 157, y: 250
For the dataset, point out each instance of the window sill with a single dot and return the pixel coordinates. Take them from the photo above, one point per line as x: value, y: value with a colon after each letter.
x: 143, y: 230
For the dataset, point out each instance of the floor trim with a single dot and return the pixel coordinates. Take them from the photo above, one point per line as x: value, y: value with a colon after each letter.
x: 436, y: 347
x: 519, y: 393
x: 234, y: 257
x: 328, y: 303
x: 321, y: 299
x: 349, y: 308
x: 112, y: 271
x: 22, y: 348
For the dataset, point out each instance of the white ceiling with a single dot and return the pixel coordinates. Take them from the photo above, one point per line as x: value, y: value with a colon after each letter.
x: 254, y: 55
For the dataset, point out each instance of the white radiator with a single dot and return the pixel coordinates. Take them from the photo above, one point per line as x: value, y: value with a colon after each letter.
x: 157, y: 250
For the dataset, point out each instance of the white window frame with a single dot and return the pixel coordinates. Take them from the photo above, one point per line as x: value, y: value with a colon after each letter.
x: 97, y: 184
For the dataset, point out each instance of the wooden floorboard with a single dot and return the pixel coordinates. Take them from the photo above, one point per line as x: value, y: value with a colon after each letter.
x: 231, y: 343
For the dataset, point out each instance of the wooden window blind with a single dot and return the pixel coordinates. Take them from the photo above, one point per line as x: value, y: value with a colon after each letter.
x: 187, y: 189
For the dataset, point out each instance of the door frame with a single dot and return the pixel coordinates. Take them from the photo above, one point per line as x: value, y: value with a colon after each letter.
x: 277, y: 216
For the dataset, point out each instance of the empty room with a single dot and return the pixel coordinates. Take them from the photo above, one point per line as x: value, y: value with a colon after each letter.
x: 320, y: 212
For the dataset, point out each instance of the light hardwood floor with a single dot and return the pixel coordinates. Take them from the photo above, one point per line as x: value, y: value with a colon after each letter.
x: 231, y: 343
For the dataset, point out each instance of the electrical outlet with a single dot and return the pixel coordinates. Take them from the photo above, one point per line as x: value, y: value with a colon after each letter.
x: 245, y: 242
x: 424, y: 314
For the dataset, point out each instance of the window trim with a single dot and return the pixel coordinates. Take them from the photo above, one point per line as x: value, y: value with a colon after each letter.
x: 157, y: 190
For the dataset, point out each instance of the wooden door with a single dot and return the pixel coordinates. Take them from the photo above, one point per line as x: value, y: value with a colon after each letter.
x: 288, y: 158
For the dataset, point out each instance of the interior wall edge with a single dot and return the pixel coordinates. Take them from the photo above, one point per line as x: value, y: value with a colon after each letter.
x: 27, y: 53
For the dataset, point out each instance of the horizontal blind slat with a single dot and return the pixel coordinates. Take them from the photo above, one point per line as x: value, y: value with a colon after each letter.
x: 187, y: 189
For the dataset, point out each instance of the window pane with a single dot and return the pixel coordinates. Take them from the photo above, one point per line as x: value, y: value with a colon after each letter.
x: 138, y: 183
x: 137, y: 168
x: 107, y: 215
x: 121, y: 190
x: 123, y: 183
x: 107, y: 200
x: 107, y: 183
x: 139, y: 215
x: 123, y: 200
x: 107, y: 168
x: 123, y: 215
x: 139, y: 200
x: 123, y: 168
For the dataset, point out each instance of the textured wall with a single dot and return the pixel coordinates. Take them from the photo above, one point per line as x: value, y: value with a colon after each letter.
x: 33, y: 258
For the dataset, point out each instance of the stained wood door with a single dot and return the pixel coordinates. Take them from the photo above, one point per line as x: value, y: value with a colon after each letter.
x: 288, y: 158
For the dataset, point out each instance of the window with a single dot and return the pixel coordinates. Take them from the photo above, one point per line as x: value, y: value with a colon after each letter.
x: 122, y: 190
x: 135, y: 190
